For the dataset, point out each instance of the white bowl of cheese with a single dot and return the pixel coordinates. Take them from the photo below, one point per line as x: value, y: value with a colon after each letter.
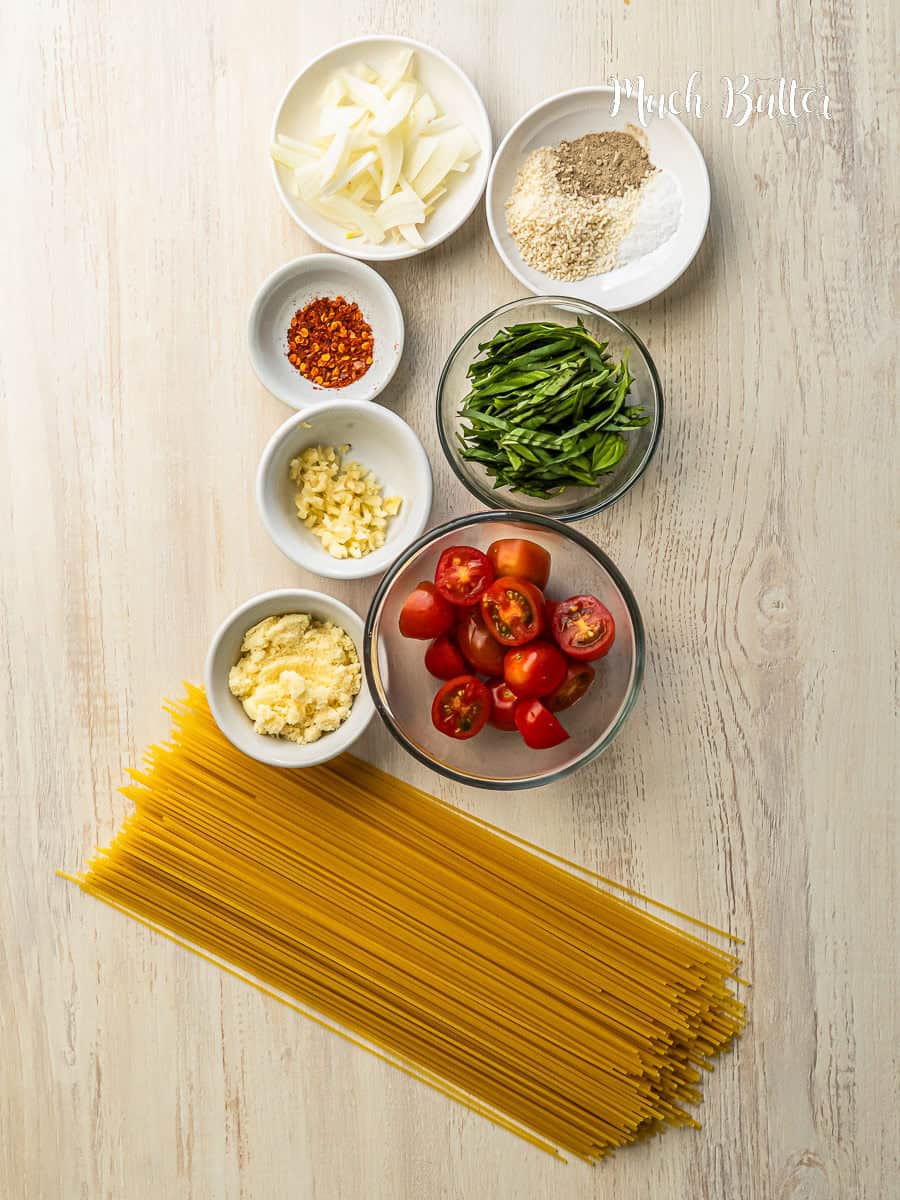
x: 283, y: 690
x: 357, y: 527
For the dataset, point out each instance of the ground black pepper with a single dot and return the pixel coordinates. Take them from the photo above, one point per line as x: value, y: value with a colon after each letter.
x: 602, y: 164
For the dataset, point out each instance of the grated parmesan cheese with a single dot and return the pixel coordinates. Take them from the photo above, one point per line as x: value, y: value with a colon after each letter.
x: 297, y: 677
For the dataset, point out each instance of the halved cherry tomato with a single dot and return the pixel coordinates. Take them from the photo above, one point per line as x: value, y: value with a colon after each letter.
x: 538, y: 726
x: 425, y: 614
x: 461, y: 707
x: 503, y: 713
x: 584, y: 627
x: 513, y: 610
x: 519, y: 557
x: 534, y: 670
x: 443, y: 659
x: 482, y: 652
x: 463, y: 575
x: 579, y: 677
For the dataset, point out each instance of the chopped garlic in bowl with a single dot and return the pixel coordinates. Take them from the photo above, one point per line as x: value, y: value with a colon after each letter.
x: 340, y: 512
x: 342, y: 503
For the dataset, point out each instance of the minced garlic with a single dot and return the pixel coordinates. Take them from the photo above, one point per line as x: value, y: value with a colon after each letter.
x: 342, y: 504
x: 296, y: 677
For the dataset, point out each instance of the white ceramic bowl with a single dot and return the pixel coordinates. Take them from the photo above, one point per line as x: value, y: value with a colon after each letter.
x: 293, y: 286
x: 379, y: 440
x: 455, y: 95
x: 224, y: 652
x: 587, y: 110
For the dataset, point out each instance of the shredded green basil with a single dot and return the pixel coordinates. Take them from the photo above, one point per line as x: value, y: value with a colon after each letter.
x: 547, y: 409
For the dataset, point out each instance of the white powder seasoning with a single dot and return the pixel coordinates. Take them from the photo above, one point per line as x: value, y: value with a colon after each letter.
x: 656, y: 220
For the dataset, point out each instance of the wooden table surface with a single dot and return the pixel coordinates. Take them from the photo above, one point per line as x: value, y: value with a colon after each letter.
x: 755, y: 783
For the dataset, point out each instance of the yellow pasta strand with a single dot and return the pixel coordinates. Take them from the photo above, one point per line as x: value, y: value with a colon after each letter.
x: 504, y: 976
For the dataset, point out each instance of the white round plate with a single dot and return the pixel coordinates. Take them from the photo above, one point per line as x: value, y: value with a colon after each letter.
x: 379, y: 440
x: 456, y: 97
x: 293, y: 286
x: 571, y: 115
x: 227, y: 710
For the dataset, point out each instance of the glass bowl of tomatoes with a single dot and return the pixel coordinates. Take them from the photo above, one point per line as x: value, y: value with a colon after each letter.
x: 504, y: 650
x: 557, y: 443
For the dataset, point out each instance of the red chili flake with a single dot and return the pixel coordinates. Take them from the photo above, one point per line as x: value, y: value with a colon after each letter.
x: 317, y: 342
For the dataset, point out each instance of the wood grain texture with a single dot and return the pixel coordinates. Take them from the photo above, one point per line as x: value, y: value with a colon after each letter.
x: 755, y: 785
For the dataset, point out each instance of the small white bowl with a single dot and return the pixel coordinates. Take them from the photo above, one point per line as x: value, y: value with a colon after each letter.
x: 224, y: 652
x: 379, y: 440
x: 455, y: 95
x: 292, y: 287
x: 571, y: 115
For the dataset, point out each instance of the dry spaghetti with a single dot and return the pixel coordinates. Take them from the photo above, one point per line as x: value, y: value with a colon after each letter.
x: 503, y: 976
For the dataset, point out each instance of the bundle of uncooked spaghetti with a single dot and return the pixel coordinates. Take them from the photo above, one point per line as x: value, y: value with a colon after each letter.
x: 509, y: 979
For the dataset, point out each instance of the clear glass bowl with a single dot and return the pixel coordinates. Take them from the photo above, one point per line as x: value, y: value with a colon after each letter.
x: 575, y: 502
x: 403, y: 690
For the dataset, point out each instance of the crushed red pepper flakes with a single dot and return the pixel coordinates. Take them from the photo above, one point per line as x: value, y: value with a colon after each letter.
x: 330, y: 342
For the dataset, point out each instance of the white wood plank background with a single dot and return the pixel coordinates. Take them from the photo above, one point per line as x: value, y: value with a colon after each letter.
x: 755, y: 784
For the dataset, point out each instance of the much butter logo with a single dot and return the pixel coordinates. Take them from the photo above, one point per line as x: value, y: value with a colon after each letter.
x: 741, y: 97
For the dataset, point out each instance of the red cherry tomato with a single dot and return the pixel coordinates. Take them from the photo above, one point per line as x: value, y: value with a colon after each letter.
x: 482, y: 652
x: 524, y: 559
x: 583, y: 627
x: 461, y: 707
x: 503, y: 713
x: 463, y: 574
x: 513, y: 610
x: 425, y: 614
x: 538, y: 726
x: 579, y: 677
x: 443, y: 659
x: 534, y: 670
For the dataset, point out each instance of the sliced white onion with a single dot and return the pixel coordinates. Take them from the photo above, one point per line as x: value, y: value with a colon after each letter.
x: 350, y: 173
x: 306, y: 148
x: 410, y: 234
x: 382, y: 157
x: 420, y: 149
x: 335, y: 91
x: 421, y: 113
x: 400, y: 209
x: 334, y: 156
x: 439, y: 164
x: 363, y: 93
x: 391, y: 148
x: 351, y: 216
x: 287, y: 157
x: 339, y: 116
x: 395, y: 110
x: 395, y: 71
